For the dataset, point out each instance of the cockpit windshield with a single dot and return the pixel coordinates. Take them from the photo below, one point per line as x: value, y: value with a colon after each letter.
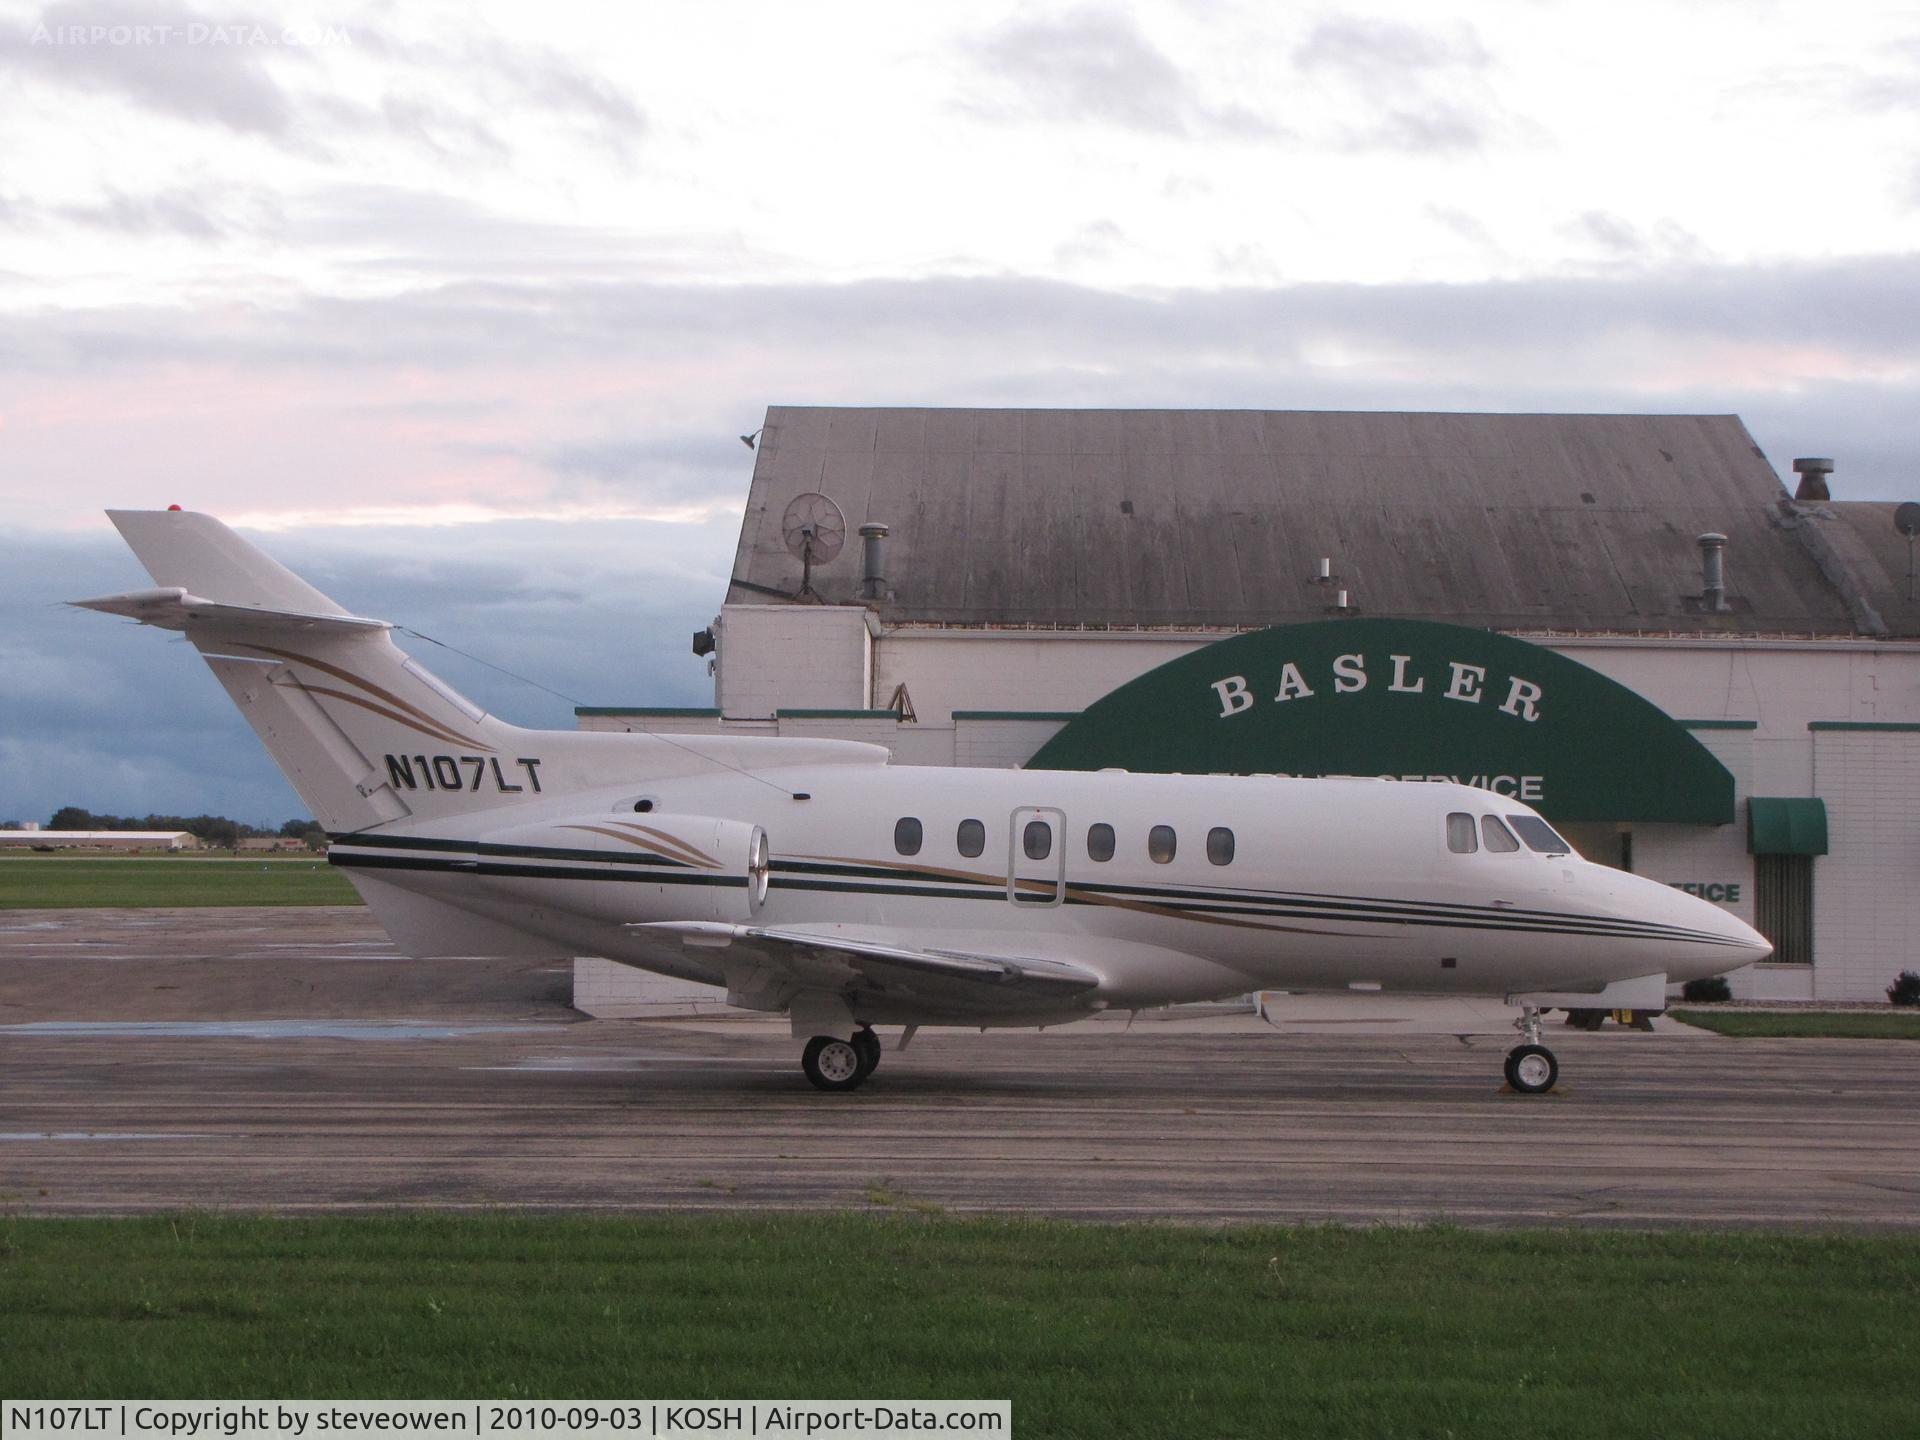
x: 1539, y: 835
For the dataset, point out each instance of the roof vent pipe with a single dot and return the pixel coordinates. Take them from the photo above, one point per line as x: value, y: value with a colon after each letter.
x: 1813, y: 472
x: 1713, y: 580
x: 873, y: 585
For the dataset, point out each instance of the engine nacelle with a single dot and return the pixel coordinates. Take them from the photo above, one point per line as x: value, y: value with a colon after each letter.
x: 645, y: 867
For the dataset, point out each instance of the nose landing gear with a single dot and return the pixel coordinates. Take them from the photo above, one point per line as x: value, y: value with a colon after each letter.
x: 1531, y: 1068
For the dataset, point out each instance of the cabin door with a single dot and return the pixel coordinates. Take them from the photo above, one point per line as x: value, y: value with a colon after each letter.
x: 1037, y: 856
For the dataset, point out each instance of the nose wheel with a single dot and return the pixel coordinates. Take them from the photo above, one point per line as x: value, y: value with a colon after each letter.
x: 1531, y: 1068
x: 831, y: 1063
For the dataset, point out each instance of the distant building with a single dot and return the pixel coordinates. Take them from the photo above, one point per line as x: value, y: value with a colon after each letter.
x: 1625, y: 620
x: 98, y: 840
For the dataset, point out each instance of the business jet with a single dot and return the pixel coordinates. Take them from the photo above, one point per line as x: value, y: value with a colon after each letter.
x: 815, y: 878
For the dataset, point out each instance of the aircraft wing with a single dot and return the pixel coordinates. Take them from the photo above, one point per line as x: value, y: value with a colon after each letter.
x: 828, y: 959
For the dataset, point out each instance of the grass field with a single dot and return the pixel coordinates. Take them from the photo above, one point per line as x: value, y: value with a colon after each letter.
x: 1090, y: 1330
x: 70, y: 882
x: 1812, y: 1025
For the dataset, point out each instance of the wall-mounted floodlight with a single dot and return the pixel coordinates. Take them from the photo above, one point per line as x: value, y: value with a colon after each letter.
x: 747, y: 440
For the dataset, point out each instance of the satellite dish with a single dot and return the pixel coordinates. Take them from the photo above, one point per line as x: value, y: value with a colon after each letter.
x: 814, y: 530
x: 1906, y: 518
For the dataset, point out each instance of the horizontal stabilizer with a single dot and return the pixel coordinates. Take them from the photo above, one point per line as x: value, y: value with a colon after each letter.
x: 172, y: 608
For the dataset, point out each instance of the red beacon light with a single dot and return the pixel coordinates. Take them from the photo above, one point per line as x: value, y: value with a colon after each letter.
x: 173, y: 507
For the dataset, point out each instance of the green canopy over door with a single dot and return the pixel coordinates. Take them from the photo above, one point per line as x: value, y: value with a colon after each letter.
x: 1786, y: 826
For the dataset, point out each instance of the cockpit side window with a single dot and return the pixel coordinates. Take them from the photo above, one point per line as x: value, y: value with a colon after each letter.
x: 1497, y: 837
x: 1539, y: 835
x: 1460, y: 834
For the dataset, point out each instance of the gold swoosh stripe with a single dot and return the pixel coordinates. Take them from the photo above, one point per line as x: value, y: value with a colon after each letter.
x: 435, y: 732
x: 640, y: 844
x: 693, y: 854
x: 374, y: 690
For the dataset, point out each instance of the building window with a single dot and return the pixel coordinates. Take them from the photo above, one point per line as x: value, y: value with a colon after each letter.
x: 1497, y: 837
x: 1220, y: 846
x: 1461, y: 839
x: 1160, y: 844
x: 906, y: 836
x: 971, y: 838
x: 1783, y: 905
x: 1037, y: 839
x: 1100, y: 842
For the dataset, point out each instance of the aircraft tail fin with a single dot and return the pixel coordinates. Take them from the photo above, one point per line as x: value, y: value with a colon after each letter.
x: 365, y: 734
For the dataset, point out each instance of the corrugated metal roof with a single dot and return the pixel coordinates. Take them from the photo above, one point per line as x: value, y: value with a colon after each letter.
x: 1875, y: 555
x: 1220, y: 517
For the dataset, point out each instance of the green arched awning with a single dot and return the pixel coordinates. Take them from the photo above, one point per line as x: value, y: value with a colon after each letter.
x: 1410, y: 699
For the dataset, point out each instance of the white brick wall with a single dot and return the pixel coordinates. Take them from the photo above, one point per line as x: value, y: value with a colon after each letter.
x: 793, y: 657
x: 1866, y: 890
x: 1000, y: 744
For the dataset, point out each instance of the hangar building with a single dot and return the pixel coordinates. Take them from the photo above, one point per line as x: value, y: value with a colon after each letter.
x: 1625, y: 620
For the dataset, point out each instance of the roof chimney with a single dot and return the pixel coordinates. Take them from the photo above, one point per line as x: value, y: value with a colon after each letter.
x: 1713, y: 580
x: 873, y: 585
x: 1813, y: 472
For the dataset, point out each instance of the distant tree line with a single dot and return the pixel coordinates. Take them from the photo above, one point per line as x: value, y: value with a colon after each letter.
x: 215, y: 830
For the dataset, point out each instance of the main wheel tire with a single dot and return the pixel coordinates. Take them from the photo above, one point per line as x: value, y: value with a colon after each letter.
x: 868, y: 1045
x: 1531, y: 1069
x: 831, y: 1063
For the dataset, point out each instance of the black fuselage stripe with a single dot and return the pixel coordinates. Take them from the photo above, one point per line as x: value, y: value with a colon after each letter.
x: 537, y: 872
x: 526, y: 852
x: 625, y: 870
x: 1284, y: 905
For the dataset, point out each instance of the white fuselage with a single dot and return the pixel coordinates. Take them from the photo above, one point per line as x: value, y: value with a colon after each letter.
x: 1331, y: 884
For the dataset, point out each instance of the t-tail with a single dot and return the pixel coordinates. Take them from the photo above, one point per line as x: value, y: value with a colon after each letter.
x: 366, y: 735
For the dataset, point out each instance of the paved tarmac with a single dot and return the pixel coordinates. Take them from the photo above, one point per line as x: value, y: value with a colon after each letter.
x: 289, y: 1060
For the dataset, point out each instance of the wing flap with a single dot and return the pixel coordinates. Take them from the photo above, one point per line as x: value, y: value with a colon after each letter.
x: 805, y: 951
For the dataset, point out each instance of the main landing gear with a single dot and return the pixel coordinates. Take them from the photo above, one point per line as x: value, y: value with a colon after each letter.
x: 1531, y: 1068
x: 831, y: 1063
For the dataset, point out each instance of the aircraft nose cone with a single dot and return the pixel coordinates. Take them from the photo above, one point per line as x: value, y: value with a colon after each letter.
x: 1755, y: 946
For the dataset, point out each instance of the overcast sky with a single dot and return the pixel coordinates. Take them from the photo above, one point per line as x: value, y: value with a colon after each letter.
x: 461, y: 307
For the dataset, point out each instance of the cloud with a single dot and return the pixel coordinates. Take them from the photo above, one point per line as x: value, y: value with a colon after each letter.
x: 1664, y: 242
x: 1095, y: 67
x: 283, y: 84
x: 493, y: 78
x: 144, y: 51
x: 1420, y: 90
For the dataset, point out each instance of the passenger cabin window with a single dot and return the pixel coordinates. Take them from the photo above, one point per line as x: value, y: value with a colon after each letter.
x: 1539, y: 835
x: 1037, y: 839
x: 1161, y: 844
x: 1220, y: 845
x: 1100, y: 842
x: 1460, y: 834
x: 1498, y: 838
x: 906, y: 836
x: 971, y: 838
